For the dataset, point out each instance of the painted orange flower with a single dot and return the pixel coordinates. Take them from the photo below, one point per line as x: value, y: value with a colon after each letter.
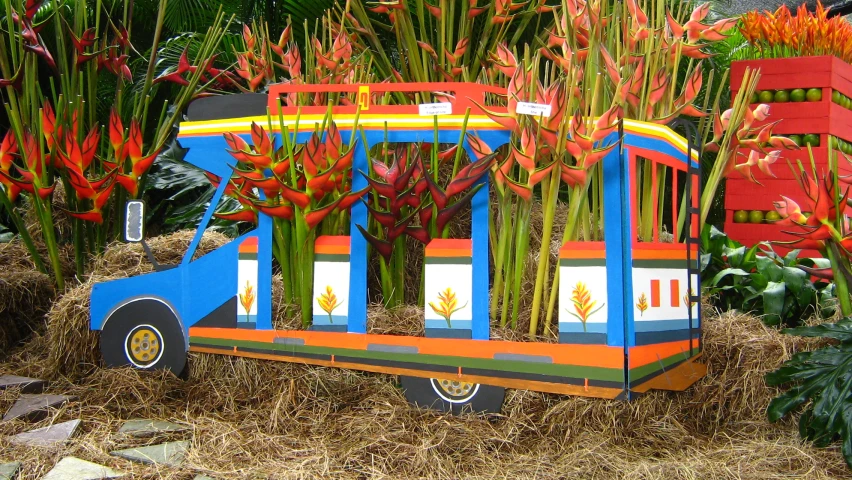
x: 583, y: 303
x: 447, y: 305
x: 247, y: 298
x: 642, y: 305
x: 328, y: 302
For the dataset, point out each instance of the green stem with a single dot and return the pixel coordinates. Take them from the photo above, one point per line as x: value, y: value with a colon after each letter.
x: 522, y: 240
x: 550, y: 186
x: 506, y: 213
x: 840, y: 281
x: 387, y: 286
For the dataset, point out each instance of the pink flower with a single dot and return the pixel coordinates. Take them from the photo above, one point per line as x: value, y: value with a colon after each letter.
x: 726, y: 119
x: 761, y: 112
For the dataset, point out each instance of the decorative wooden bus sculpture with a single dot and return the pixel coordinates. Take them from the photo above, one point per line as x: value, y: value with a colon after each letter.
x: 646, y: 336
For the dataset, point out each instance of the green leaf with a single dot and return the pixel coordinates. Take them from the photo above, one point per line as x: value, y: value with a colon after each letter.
x: 796, y: 280
x: 705, y: 261
x: 792, y: 258
x: 773, y: 302
x: 728, y: 271
x: 821, y: 381
x: 735, y: 256
x: 768, y: 267
x: 842, y: 330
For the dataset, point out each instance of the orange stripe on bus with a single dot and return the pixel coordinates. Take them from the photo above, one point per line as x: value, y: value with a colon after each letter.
x: 563, y: 354
x: 661, y: 254
x: 655, y: 293
x: 449, y: 247
x: 332, y: 249
x: 442, y: 252
x: 582, y: 250
x: 341, y: 240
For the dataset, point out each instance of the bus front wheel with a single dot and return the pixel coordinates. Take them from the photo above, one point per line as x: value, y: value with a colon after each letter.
x: 144, y: 334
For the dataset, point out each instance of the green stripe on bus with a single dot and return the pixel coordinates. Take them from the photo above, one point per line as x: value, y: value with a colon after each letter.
x: 582, y: 262
x: 331, y: 257
x: 681, y: 264
x: 645, y: 370
x: 448, y: 261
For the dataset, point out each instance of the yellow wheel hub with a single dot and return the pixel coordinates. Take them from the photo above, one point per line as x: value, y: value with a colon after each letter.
x: 454, y: 388
x: 144, y: 345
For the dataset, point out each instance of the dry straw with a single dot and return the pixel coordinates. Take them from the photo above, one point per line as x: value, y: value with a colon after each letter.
x: 260, y: 419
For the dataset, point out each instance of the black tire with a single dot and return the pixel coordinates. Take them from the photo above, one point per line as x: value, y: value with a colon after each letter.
x: 145, y: 334
x: 452, y: 396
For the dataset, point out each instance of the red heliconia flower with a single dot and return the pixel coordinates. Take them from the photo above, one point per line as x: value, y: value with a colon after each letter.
x: 278, y: 48
x: 132, y: 149
x: 325, y: 187
x: 791, y: 213
x: 241, y: 215
x: 697, y: 31
x: 818, y: 229
x: 8, y: 148
x: 177, y: 76
x: 30, y: 179
x: 85, y: 41
x: 48, y: 125
x: 504, y: 60
x: 763, y: 164
x: 117, y: 65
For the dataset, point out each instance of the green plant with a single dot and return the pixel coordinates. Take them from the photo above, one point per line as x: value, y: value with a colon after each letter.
x: 51, y: 92
x: 757, y: 279
x: 820, y: 384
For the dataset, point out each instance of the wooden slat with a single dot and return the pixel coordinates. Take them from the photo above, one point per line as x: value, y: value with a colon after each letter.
x: 676, y: 379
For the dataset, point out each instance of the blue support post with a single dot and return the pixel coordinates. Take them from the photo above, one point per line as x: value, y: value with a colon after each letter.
x: 614, y: 213
x: 358, y: 245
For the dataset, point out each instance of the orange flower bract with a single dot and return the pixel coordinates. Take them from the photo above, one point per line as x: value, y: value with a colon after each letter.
x: 783, y: 34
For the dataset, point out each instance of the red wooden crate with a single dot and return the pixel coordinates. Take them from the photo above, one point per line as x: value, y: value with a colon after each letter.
x: 823, y: 118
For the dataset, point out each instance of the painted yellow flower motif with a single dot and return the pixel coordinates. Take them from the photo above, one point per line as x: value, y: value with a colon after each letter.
x: 447, y: 305
x: 643, y: 304
x: 583, y: 303
x: 328, y: 302
x: 247, y: 299
x: 686, y: 298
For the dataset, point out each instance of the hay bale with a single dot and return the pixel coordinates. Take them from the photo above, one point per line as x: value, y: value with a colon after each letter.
x: 25, y: 297
x: 73, y: 348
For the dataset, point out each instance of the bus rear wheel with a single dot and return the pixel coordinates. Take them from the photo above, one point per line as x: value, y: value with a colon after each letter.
x: 452, y: 395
